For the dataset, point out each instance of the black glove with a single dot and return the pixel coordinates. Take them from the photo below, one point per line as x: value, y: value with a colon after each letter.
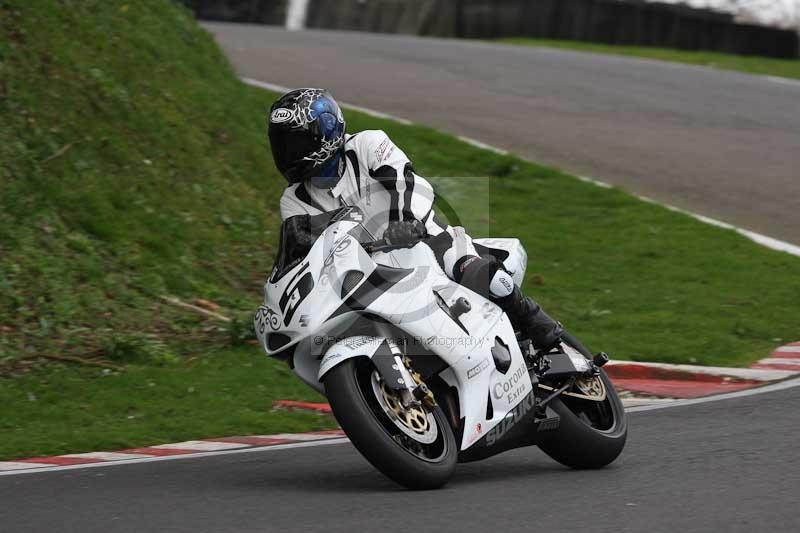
x: 404, y: 233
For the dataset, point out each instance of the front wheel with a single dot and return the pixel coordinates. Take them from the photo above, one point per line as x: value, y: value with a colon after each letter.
x: 413, y: 446
x: 592, y: 433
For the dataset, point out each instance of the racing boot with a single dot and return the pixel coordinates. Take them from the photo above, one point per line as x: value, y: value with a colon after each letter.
x: 531, y: 321
x: 487, y: 277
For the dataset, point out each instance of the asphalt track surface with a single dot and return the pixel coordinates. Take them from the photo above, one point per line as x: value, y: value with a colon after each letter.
x: 729, y: 465
x: 722, y: 144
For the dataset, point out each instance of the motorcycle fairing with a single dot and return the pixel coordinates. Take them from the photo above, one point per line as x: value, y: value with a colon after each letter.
x: 318, y: 307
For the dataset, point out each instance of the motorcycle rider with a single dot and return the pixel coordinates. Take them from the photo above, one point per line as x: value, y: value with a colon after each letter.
x: 327, y: 169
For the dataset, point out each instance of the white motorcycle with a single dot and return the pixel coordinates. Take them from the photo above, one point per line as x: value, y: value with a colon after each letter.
x: 421, y: 372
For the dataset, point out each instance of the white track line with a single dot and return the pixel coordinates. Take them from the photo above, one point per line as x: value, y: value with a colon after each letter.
x: 783, y: 385
x: 601, y: 184
x: 482, y: 145
x: 629, y: 403
x: 758, y: 238
x: 7, y: 466
x: 266, y: 85
x: 47, y: 468
x: 788, y: 349
x: 294, y: 436
x: 783, y: 81
x: 201, y: 446
x: 779, y: 361
x: 371, y: 112
x: 108, y: 456
x: 758, y: 374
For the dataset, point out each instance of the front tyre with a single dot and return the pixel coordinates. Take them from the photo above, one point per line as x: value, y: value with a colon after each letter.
x: 591, y: 434
x: 414, y: 447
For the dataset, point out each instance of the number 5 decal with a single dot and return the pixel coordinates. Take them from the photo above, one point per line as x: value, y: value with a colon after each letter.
x: 294, y: 296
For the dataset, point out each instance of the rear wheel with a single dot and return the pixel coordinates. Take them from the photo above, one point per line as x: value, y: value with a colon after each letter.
x: 592, y: 433
x: 413, y: 446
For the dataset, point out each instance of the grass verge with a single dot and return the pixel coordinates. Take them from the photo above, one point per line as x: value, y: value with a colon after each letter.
x: 785, y: 68
x: 133, y: 165
x: 66, y: 408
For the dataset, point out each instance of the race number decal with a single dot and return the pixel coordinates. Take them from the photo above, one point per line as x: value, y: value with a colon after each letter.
x: 294, y: 296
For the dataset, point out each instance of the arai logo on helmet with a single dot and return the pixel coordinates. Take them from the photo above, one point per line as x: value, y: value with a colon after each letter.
x: 281, y: 115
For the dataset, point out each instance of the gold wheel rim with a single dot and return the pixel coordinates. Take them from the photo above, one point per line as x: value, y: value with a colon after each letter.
x: 414, y: 418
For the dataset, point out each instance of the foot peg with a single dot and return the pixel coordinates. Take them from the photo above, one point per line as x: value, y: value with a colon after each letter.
x: 600, y: 359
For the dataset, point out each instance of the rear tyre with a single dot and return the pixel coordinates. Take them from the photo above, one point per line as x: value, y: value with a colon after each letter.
x: 591, y: 434
x: 415, y: 449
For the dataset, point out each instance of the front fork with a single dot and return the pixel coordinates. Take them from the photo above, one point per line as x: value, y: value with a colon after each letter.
x: 400, y: 376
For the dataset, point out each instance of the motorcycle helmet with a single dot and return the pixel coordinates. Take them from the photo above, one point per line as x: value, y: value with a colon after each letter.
x: 306, y: 134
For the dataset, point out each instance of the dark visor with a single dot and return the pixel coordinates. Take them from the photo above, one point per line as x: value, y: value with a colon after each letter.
x: 290, y: 147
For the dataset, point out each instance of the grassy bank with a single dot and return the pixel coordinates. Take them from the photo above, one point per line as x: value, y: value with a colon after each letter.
x: 133, y: 165
x: 786, y: 68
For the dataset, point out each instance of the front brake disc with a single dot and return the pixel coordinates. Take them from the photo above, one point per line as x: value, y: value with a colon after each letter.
x: 414, y: 420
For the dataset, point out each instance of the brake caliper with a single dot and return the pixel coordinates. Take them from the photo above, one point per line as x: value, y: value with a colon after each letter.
x: 421, y: 391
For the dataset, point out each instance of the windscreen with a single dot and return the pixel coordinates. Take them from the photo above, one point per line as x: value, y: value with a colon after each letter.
x: 298, y: 234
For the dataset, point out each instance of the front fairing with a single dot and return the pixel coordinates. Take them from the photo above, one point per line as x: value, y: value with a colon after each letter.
x: 300, y: 301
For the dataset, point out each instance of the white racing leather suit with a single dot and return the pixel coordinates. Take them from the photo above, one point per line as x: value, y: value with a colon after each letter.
x: 378, y: 177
